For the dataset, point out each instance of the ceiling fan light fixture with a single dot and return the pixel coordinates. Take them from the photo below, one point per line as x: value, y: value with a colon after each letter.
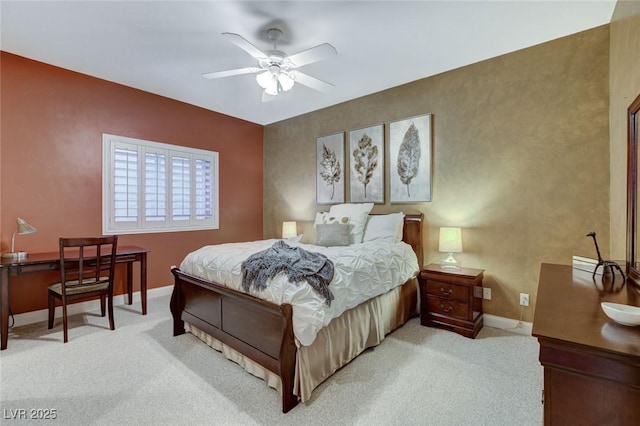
x: 271, y: 86
x: 286, y: 82
x: 274, y: 82
x: 265, y: 79
x: 272, y: 89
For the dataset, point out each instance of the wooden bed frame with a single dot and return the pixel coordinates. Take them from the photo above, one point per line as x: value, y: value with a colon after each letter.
x: 259, y: 330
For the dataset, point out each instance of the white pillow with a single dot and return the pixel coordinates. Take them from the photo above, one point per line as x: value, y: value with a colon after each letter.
x: 357, y: 214
x: 384, y: 226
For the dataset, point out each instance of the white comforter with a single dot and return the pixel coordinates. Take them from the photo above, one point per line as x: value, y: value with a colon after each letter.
x: 362, y: 271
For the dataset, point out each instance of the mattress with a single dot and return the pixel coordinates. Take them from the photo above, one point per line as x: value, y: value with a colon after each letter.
x: 362, y: 271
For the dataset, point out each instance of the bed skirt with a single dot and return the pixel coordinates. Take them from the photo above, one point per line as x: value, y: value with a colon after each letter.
x: 357, y: 329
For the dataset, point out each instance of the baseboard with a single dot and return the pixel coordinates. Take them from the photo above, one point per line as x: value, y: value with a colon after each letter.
x: 508, y: 324
x: 92, y: 305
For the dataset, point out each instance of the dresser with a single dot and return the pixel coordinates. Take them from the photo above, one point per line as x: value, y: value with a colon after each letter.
x: 591, y: 364
x: 451, y: 299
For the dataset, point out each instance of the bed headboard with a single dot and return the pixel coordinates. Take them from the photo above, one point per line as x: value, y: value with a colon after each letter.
x: 412, y: 234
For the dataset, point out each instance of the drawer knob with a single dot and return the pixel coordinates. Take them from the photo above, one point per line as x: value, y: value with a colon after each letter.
x: 446, y: 292
x: 447, y: 310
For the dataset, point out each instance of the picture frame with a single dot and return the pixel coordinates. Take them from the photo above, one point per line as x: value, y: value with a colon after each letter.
x: 366, y: 164
x: 330, y: 169
x: 410, y: 159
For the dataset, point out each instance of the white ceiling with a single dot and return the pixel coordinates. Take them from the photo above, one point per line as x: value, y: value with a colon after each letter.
x: 164, y: 47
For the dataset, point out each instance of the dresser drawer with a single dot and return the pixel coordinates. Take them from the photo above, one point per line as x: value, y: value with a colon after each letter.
x: 448, y: 291
x: 450, y: 308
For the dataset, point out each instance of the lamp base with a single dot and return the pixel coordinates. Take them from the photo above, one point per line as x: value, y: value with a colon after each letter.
x: 16, y: 255
x: 450, y: 263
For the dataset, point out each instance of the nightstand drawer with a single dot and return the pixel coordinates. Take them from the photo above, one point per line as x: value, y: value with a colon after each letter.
x: 447, y: 299
x: 448, y: 291
x: 450, y: 308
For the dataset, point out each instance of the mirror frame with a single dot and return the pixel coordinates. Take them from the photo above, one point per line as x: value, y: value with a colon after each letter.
x: 633, y: 117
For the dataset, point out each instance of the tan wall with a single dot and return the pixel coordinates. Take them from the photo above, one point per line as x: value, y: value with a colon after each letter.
x: 624, y: 87
x: 51, y: 143
x: 521, y: 159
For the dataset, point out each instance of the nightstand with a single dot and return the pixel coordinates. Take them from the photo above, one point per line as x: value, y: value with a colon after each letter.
x: 451, y: 299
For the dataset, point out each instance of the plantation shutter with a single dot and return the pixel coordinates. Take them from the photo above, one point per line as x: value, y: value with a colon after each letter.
x: 203, y: 196
x: 125, y: 185
x: 154, y: 187
x: 180, y: 188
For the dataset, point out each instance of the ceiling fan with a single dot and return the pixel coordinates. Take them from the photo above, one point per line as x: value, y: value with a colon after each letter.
x: 277, y: 72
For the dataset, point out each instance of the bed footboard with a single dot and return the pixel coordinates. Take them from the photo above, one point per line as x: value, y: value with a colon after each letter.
x: 256, y: 328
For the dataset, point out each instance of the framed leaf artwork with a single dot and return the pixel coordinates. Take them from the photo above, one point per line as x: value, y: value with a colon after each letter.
x: 330, y: 169
x: 366, y: 159
x: 410, y: 160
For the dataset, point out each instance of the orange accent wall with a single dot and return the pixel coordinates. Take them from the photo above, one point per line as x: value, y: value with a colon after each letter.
x: 52, y: 121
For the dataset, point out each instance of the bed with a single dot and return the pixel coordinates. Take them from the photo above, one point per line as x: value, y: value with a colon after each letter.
x: 259, y: 335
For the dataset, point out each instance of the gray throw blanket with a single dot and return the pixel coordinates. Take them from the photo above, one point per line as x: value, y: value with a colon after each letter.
x: 299, y: 265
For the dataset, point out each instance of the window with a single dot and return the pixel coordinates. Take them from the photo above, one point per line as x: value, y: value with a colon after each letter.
x: 154, y: 187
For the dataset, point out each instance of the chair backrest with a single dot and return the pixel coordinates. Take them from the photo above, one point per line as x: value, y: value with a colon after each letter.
x: 87, y: 261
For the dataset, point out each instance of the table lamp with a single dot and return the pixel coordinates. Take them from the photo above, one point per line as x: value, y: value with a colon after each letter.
x: 289, y: 229
x: 23, y: 228
x: 450, y: 242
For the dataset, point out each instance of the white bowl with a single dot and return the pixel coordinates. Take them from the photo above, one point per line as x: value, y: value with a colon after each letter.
x: 622, y: 314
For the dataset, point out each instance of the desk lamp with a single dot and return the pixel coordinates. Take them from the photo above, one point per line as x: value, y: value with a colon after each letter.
x: 23, y: 228
x: 450, y: 242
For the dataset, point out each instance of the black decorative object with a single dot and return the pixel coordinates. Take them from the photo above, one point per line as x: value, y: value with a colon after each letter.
x: 609, y: 267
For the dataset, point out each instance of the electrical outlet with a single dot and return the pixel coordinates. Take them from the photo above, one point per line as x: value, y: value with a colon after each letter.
x: 524, y: 299
x: 486, y: 293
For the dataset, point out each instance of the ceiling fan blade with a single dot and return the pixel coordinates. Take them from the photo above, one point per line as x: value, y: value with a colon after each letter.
x: 314, y: 54
x: 229, y: 73
x: 307, y: 80
x: 266, y: 97
x: 242, y: 43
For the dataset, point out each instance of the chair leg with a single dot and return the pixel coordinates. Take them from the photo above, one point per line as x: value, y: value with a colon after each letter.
x: 111, y: 322
x: 52, y: 310
x: 64, y: 322
x: 102, y: 305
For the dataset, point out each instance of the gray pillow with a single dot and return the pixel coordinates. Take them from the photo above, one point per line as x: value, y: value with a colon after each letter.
x: 333, y: 234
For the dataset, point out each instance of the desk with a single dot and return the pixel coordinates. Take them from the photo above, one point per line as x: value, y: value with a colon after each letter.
x: 47, y: 262
x: 591, y: 364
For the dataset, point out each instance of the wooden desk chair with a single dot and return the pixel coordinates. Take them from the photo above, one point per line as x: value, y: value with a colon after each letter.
x: 87, y: 267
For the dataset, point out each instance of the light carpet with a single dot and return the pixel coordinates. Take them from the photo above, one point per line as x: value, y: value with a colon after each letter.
x: 140, y: 374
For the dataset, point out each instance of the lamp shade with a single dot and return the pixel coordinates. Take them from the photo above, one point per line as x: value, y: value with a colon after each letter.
x: 24, y: 228
x: 450, y: 240
x: 286, y: 82
x: 265, y: 79
x: 289, y: 229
